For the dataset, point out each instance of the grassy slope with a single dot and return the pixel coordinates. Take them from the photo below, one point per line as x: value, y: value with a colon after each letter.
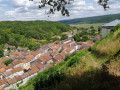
x: 85, y: 70
x: 87, y: 25
x: 98, y: 70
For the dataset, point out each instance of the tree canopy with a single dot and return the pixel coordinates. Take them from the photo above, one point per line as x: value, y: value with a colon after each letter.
x: 60, y: 5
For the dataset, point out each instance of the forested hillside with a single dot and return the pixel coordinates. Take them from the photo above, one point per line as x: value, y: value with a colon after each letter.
x: 90, y: 20
x: 93, y: 69
x: 30, y: 34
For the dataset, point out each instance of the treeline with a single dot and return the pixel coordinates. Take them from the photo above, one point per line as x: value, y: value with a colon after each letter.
x: 48, y: 78
x: 30, y: 34
x: 95, y: 19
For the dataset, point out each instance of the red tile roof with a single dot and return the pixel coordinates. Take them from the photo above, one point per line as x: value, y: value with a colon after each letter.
x: 29, y: 57
x: 42, y: 59
x: 34, y: 69
x: 2, y: 70
x: 34, y: 53
x: 13, y: 71
x: 3, y: 81
x: 63, y: 54
x: 15, y: 62
x: 2, y: 89
x: 58, y: 57
x: 25, y: 61
x: 19, y: 69
x: 25, y: 75
x: 69, y: 49
x: 2, y: 65
x: 11, y: 81
x: 18, y: 78
x: 16, y: 53
x: 39, y: 66
x: 9, y: 66
x: 40, y: 51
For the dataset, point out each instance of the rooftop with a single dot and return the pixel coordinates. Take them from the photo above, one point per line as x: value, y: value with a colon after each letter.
x: 113, y: 23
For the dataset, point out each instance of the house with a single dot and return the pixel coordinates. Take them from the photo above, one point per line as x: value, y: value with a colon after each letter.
x: 40, y: 52
x: 43, y: 60
x: 25, y: 63
x: 58, y: 48
x: 87, y: 45
x: 76, y: 46
x: 17, y: 63
x: 33, y: 72
x: 25, y: 78
x: 29, y: 57
x: 57, y: 58
x: 53, y: 54
x: 19, y: 71
x: 14, y: 72
x: 12, y: 82
x: 3, y: 82
x: 9, y: 67
x: 97, y: 37
x: 7, y: 74
x: 33, y: 63
x: 46, y: 59
x: 18, y: 79
x: 70, y: 50
x: 40, y: 66
x: 63, y: 54
x: 67, y: 40
x: 2, y: 70
x: 107, y: 27
x: 44, y: 48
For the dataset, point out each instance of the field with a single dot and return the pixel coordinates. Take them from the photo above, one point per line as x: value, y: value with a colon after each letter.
x: 87, y: 25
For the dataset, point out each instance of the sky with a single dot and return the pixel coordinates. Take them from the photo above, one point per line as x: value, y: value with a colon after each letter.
x: 25, y: 10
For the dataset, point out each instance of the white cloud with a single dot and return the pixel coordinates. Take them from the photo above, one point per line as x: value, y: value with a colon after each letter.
x: 28, y: 10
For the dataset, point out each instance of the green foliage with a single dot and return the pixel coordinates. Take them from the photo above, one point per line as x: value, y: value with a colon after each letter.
x: 55, y: 74
x: 60, y: 51
x: 99, y: 29
x: 18, y: 84
x: 91, y: 27
x: 7, y: 62
x: 92, y: 32
x: 109, y: 45
x: 77, y: 37
x: 1, y: 51
x: 63, y: 37
x: 85, y: 38
x: 29, y: 33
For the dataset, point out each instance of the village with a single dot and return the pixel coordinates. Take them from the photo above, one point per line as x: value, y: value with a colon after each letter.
x: 27, y: 64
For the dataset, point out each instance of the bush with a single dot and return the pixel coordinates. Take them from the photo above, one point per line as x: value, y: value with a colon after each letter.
x: 7, y: 62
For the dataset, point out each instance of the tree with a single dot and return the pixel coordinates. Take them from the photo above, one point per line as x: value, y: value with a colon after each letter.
x: 1, y: 51
x: 85, y: 38
x: 7, y: 62
x: 99, y: 29
x: 93, y: 32
x: 91, y: 27
x: 59, y: 5
x: 76, y: 37
x: 63, y: 37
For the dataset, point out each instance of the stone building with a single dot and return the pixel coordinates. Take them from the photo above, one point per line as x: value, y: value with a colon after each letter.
x: 107, y: 27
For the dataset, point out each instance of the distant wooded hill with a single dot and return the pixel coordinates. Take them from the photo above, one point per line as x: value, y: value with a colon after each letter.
x: 90, y: 20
